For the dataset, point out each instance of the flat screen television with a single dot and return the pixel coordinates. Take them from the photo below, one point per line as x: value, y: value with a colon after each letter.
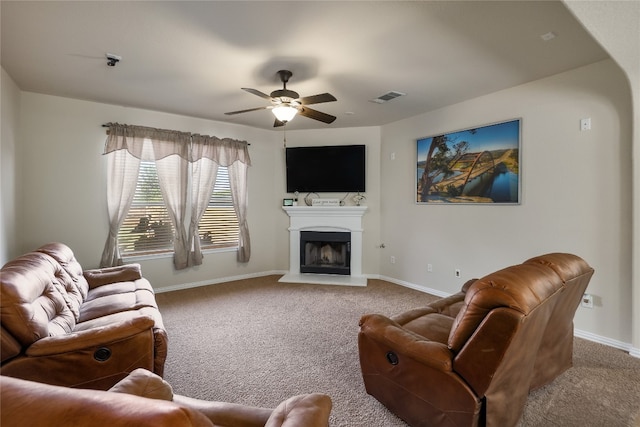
x: 326, y: 169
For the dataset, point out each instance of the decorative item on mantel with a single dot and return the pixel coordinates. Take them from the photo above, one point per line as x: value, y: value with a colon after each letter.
x: 358, y: 198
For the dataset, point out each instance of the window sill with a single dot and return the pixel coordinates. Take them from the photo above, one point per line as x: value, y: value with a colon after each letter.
x: 137, y: 258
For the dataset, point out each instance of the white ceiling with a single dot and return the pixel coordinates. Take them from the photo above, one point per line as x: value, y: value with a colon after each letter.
x: 192, y: 58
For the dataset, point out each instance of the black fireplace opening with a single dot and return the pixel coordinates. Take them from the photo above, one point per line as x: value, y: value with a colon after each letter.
x: 325, y: 252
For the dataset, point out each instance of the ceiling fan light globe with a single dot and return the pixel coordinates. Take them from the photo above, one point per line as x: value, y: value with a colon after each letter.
x: 284, y: 113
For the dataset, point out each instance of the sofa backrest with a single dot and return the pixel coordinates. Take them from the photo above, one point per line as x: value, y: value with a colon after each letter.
x: 521, y: 288
x: 34, y: 299
x: 555, y: 354
x: 78, y: 286
x: 36, y: 404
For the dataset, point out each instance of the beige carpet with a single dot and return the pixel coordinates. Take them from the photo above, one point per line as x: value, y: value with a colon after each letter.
x: 258, y: 342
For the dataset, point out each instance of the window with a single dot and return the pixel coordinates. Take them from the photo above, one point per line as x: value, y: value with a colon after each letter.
x: 144, y: 164
x: 147, y: 229
x: 219, y: 224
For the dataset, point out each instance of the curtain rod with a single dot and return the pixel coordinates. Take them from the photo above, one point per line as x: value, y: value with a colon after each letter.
x: 106, y: 126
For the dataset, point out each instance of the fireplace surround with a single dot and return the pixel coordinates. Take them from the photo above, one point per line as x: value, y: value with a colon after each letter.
x: 334, y: 219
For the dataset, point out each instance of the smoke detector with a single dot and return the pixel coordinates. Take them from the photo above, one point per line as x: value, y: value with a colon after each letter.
x: 112, y: 59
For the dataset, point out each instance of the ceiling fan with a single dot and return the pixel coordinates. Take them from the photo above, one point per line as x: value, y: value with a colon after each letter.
x: 286, y: 104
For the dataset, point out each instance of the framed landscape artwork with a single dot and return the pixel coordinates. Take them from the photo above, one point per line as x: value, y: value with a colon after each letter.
x: 475, y: 166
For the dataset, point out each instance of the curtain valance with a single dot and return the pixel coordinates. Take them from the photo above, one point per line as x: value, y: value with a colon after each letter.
x: 224, y: 152
x: 164, y: 143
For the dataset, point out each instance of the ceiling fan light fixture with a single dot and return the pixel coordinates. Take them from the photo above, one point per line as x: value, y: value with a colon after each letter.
x: 284, y: 113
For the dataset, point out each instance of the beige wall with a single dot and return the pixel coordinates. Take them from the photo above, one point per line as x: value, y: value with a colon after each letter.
x: 576, y: 193
x: 9, y: 194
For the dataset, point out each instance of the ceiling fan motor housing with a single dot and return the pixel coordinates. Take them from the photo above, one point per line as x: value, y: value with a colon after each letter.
x: 285, y: 93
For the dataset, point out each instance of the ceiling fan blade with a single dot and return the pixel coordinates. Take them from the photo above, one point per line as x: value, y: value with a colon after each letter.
x: 256, y: 92
x: 317, y: 99
x: 230, y: 113
x: 316, y: 115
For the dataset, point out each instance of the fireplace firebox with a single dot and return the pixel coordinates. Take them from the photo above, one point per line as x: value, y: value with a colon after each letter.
x: 325, y: 252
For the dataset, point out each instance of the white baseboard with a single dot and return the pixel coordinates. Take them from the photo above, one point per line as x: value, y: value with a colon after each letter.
x: 414, y: 286
x: 635, y: 352
x: 606, y: 341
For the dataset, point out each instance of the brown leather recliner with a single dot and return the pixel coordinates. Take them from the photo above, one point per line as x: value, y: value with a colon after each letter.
x: 65, y: 326
x: 471, y: 359
x: 144, y: 399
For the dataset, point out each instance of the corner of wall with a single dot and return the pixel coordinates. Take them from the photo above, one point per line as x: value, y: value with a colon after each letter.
x: 9, y: 109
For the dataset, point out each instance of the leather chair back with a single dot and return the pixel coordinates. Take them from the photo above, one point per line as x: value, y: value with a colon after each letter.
x: 34, y: 299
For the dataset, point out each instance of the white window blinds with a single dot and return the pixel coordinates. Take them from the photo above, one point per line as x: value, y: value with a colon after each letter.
x: 147, y: 228
x: 218, y: 226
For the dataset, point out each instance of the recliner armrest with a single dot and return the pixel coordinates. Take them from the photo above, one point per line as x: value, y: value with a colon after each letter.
x: 388, y: 332
x: 308, y: 410
x: 91, y: 337
x: 144, y: 383
x: 104, y: 276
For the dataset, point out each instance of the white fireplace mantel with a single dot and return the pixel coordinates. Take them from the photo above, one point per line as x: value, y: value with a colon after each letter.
x: 325, y: 218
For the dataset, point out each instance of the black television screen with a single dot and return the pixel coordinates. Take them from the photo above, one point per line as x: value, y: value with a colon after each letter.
x: 326, y: 169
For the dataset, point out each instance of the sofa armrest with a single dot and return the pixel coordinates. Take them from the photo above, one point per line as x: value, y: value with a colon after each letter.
x: 104, y: 276
x: 144, y: 383
x: 407, y: 316
x: 307, y: 410
x: 89, y: 338
x: 386, y: 331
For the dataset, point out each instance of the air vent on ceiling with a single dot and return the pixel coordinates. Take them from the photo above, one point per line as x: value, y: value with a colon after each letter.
x: 387, y: 97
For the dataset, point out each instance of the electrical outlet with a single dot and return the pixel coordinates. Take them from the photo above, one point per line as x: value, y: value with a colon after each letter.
x: 587, y: 301
x: 392, y: 260
x: 458, y: 273
x: 429, y: 268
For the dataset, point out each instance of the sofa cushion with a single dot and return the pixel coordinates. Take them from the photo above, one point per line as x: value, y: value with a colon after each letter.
x: 433, y: 326
x: 117, y: 297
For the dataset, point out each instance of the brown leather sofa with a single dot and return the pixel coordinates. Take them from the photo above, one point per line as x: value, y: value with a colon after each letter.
x: 471, y: 359
x: 144, y: 399
x: 65, y: 326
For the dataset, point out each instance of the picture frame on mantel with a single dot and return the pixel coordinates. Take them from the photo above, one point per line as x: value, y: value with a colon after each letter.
x: 479, y: 165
